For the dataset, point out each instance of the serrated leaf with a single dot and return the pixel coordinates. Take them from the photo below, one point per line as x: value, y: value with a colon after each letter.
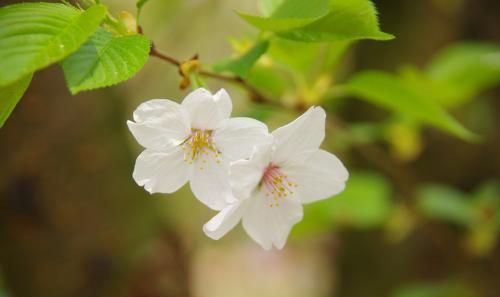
x: 105, y: 60
x: 241, y: 65
x: 289, y: 14
x: 468, y: 67
x: 35, y: 35
x: 347, y: 20
x: 10, y: 96
x: 391, y: 92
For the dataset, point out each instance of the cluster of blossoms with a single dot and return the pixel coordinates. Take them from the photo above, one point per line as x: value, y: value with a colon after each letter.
x: 234, y: 165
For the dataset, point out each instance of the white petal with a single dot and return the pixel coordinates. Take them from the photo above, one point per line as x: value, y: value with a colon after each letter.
x: 205, y: 111
x: 303, y: 134
x: 270, y: 226
x: 159, y: 124
x: 210, y: 182
x: 236, y: 137
x: 224, y: 221
x: 161, y: 172
x: 245, y: 175
x: 224, y: 103
x: 321, y: 176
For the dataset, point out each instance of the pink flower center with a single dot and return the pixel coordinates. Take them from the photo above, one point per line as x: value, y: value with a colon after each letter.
x: 276, y: 185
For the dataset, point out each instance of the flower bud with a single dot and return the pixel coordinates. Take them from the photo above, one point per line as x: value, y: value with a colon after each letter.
x: 128, y: 21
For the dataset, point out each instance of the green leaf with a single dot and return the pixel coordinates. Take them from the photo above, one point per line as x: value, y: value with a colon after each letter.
x: 306, y: 60
x: 446, y: 203
x: 391, y: 92
x: 440, y: 91
x: 35, y: 35
x: 289, y: 14
x: 267, y: 7
x: 268, y: 80
x: 260, y: 112
x: 10, y: 95
x: 468, y: 67
x: 241, y: 66
x: 365, y: 203
x: 347, y: 20
x: 105, y: 60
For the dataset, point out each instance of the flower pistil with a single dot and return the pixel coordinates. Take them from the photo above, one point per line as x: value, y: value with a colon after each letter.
x: 276, y: 184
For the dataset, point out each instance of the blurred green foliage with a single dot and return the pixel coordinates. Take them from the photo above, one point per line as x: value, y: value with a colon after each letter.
x: 364, y: 204
x: 10, y: 95
x: 478, y: 213
x: 301, y: 55
x: 446, y: 289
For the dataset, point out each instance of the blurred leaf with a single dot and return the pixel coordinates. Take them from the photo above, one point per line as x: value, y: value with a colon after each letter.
x: 488, y: 192
x: 468, y: 67
x: 486, y: 201
x: 401, y: 223
x: 446, y: 203
x: 267, y: 7
x: 389, y: 91
x: 260, y: 112
x: 405, y: 140
x: 35, y: 35
x: 364, y: 132
x: 365, y: 203
x: 268, y: 80
x: 439, y: 91
x: 484, y: 234
x: 482, y: 240
x: 10, y: 96
x: 105, y: 60
x: 289, y: 14
x: 241, y: 66
x: 446, y: 289
x: 139, y: 5
x: 306, y: 59
x: 347, y: 20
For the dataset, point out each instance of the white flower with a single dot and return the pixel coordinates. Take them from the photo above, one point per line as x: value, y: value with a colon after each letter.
x: 193, y: 141
x: 272, y: 185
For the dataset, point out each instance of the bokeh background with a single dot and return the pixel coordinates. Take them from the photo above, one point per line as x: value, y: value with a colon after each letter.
x: 74, y: 223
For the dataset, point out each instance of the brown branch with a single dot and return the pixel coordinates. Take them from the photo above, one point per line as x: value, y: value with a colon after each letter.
x: 155, y: 53
x: 255, y: 94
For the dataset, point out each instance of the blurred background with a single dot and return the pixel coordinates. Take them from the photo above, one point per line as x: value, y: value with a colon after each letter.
x: 420, y: 216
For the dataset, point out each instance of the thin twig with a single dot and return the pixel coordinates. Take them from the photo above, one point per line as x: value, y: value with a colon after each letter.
x: 255, y: 94
x: 155, y: 53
